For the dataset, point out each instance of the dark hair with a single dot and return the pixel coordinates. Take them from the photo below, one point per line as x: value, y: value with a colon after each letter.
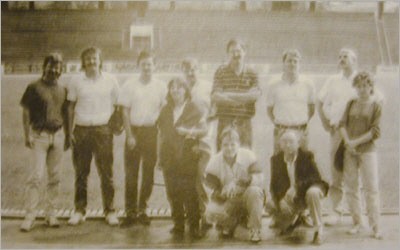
x: 364, y: 76
x: 234, y: 42
x: 52, y: 58
x: 88, y: 51
x: 181, y: 83
x: 144, y: 54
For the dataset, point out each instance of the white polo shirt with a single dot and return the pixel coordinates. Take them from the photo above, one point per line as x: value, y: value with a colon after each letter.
x: 290, y: 100
x: 95, y: 99
x: 336, y: 93
x: 218, y: 167
x: 144, y: 100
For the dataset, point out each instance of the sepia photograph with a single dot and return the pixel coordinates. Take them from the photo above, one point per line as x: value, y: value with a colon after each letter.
x: 200, y: 124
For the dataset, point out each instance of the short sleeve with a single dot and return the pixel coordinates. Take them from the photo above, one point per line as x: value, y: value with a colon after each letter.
x: 28, y: 97
x: 213, y: 166
x: 125, y: 95
x: 217, y: 83
x: 71, y: 90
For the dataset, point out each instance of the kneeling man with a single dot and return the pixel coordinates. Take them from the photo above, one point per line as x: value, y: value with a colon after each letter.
x: 236, y: 181
x: 296, y: 184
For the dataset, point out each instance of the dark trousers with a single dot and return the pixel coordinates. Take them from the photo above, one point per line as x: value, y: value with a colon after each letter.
x: 145, y: 151
x: 182, y: 196
x: 243, y: 126
x: 92, y: 141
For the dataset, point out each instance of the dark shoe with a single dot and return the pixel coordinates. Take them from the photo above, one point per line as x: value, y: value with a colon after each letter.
x: 177, y: 231
x: 317, y: 240
x: 292, y: 227
x: 205, y: 226
x: 128, y: 222
x: 195, y: 233
x: 144, y: 219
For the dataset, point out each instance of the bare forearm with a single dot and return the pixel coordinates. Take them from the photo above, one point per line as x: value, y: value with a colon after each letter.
x: 363, y: 138
x: 222, y: 99
x: 71, y: 116
x: 270, y: 112
x: 127, y: 122
x: 311, y: 111
x: 324, y: 119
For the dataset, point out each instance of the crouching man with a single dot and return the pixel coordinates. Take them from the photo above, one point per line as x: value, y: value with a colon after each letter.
x: 296, y: 184
x: 236, y: 180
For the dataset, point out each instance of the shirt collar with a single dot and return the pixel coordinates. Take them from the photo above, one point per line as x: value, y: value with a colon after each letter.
x: 291, y: 162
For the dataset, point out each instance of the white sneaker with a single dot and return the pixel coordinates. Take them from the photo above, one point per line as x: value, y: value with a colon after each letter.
x: 112, y: 219
x: 355, y: 229
x: 332, y: 219
x: 52, y: 221
x: 76, y: 218
x: 255, y: 236
x: 27, y: 224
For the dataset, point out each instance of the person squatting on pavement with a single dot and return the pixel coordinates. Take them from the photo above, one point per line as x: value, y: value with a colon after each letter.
x: 290, y: 100
x: 180, y: 125
x: 44, y: 114
x: 236, y: 180
x: 200, y: 92
x: 92, y: 97
x: 359, y: 129
x: 141, y: 99
x: 235, y: 92
x: 296, y: 185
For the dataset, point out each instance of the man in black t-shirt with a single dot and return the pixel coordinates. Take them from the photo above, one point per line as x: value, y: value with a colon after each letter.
x: 44, y: 114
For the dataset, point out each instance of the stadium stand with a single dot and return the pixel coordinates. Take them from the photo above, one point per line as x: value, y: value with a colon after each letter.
x: 28, y: 35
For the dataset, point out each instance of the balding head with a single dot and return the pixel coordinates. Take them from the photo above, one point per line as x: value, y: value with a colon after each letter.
x: 347, y: 58
x: 289, y: 141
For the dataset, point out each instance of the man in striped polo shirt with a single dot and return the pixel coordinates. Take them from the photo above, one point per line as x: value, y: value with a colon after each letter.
x: 235, y: 92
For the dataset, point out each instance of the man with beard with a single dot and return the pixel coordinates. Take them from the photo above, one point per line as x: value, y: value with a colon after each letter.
x: 92, y: 98
x: 44, y: 114
x: 235, y: 92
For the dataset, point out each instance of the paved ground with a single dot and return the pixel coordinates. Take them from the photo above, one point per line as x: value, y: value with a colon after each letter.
x: 95, y: 234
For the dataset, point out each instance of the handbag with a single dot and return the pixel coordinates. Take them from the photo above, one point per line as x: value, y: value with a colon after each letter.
x: 339, y: 157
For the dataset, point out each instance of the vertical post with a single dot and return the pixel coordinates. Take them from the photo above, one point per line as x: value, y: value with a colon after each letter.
x: 31, y: 5
x: 172, y: 5
x: 381, y: 8
x: 313, y: 6
x: 101, y: 5
x: 242, y: 6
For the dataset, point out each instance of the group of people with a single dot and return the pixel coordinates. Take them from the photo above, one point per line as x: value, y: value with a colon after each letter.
x: 209, y: 179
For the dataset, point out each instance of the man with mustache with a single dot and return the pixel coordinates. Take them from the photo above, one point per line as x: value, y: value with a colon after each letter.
x: 44, y: 114
x: 234, y: 94
x: 92, y: 98
x: 331, y: 103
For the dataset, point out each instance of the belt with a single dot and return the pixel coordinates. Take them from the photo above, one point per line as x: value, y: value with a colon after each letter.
x: 296, y: 127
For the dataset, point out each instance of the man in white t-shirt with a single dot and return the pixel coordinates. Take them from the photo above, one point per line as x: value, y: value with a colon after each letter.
x: 141, y: 99
x: 332, y: 100
x: 290, y: 100
x: 236, y: 180
x: 92, y: 98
